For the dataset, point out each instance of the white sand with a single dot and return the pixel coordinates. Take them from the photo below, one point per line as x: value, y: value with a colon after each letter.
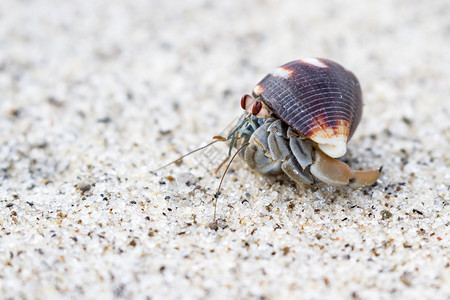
x: 103, y: 93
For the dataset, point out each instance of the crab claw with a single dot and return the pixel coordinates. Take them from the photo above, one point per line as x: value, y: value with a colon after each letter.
x: 338, y: 173
x: 330, y: 170
x: 365, y: 177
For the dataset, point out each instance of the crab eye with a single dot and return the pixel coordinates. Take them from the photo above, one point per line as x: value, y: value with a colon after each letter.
x: 247, y: 102
x: 256, y: 108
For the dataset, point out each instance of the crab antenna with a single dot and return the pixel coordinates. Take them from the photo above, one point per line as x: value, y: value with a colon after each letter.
x: 245, y: 120
x: 233, y: 139
x: 216, y: 195
x: 217, y: 139
x: 232, y: 134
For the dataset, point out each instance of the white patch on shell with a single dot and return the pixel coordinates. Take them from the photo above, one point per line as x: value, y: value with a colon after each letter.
x: 258, y: 90
x: 314, y: 61
x: 282, y: 73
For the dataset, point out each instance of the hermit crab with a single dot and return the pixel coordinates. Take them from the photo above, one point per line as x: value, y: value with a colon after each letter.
x: 298, y: 121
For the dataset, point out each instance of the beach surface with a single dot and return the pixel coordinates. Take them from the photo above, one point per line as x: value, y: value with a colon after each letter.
x: 96, y: 95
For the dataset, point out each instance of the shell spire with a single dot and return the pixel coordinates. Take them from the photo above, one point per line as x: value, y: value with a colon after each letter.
x: 318, y: 98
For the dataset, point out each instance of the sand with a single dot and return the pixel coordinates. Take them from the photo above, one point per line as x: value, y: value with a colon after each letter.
x: 95, y: 95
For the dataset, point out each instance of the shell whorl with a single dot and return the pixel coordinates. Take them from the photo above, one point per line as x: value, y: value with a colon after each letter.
x: 318, y: 98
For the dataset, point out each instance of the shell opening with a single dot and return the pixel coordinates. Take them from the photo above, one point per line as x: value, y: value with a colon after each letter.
x: 334, y: 148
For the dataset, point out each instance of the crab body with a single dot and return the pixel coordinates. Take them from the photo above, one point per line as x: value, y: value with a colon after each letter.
x: 300, y: 118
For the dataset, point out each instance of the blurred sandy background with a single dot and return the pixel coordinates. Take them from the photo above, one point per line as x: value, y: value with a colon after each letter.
x: 96, y: 94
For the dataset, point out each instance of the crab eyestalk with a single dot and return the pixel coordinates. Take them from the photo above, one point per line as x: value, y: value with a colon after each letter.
x: 255, y: 107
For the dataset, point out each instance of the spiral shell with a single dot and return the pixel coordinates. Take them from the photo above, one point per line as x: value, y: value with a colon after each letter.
x: 317, y: 98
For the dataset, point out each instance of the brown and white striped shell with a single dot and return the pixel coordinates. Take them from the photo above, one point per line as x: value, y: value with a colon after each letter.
x: 316, y: 97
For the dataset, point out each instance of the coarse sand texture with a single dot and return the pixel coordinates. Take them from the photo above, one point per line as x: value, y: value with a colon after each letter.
x: 96, y: 95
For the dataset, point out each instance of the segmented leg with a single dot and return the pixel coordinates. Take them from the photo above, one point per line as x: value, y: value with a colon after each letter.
x: 293, y: 169
x: 274, y: 148
x: 277, y: 144
x: 301, y: 148
x: 258, y: 156
x: 269, y: 152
